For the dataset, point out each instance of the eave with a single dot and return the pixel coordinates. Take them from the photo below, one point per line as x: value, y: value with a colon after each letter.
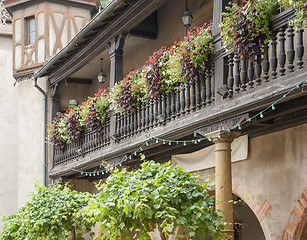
x: 118, y: 17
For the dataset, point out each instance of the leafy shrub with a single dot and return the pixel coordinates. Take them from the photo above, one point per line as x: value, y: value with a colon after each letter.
x: 51, y: 213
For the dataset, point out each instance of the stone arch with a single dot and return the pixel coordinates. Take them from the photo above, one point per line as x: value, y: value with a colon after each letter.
x: 298, y: 220
x: 260, y: 209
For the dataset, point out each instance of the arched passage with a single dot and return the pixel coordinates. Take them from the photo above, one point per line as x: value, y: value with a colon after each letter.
x: 297, y: 226
x: 257, y: 209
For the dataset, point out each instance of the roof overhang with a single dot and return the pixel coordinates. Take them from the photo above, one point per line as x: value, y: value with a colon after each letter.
x: 118, y: 17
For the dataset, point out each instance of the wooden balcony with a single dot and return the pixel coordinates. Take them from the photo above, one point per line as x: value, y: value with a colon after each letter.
x: 253, y: 84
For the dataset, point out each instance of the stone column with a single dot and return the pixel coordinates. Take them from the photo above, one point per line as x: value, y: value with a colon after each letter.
x: 223, y: 178
x: 115, y: 48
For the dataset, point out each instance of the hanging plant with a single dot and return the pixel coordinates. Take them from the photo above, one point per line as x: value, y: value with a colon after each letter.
x: 155, y: 71
x: 127, y: 95
x: 56, y: 131
x: 246, y: 29
x: 74, y: 124
x: 300, y: 7
x: 95, y: 111
x: 195, y: 50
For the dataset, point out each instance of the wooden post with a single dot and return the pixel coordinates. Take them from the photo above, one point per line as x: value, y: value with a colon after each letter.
x: 115, y: 47
x: 223, y: 178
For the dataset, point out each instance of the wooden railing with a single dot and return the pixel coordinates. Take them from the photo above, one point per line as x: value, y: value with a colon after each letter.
x: 282, y: 56
x: 186, y: 99
x: 88, y: 142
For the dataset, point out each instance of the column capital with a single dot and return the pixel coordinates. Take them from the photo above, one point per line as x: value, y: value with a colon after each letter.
x: 221, y: 136
x: 116, y: 44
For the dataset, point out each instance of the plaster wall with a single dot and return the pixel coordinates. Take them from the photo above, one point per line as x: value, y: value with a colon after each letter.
x: 170, y: 29
x: 8, y: 127
x: 30, y: 135
x: 274, y: 173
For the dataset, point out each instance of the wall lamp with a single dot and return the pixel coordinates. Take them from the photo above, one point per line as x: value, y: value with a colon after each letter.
x: 223, y: 91
x: 101, y: 76
x: 186, y: 16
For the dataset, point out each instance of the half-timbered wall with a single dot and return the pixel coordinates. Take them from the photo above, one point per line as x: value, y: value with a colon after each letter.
x: 55, y: 26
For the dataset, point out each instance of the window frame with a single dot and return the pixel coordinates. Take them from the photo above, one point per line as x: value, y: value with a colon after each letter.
x: 28, y: 33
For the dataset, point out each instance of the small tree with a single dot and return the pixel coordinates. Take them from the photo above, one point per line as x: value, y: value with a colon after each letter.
x: 155, y: 196
x: 51, y: 213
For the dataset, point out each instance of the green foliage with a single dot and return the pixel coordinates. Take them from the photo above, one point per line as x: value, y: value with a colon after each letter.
x: 154, y: 196
x: 246, y: 29
x: 300, y: 7
x: 50, y: 214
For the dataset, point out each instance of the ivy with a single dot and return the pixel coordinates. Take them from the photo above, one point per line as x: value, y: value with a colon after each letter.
x: 155, y: 196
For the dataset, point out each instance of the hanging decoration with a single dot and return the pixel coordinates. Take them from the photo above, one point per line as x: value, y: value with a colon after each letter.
x: 185, y: 142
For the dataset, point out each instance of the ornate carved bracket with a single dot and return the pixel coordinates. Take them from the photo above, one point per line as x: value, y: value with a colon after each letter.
x: 5, y: 17
x: 221, y: 126
x: 116, y: 44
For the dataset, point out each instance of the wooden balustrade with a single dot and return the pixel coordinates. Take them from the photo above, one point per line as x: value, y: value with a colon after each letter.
x: 282, y: 56
x: 88, y: 142
x: 278, y: 58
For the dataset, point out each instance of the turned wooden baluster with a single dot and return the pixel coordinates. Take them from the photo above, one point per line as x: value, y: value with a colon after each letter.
x: 151, y: 113
x: 230, y: 74
x: 117, y: 130
x: 147, y: 114
x: 173, y: 106
x: 129, y: 121
x: 273, y: 56
x: 143, y: 116
x: 258, y: 70
x: 157, y: 104
x: 125, y: 124
x: 208, y: 86
x: 108, y: 131
x: 282, y: 53
x: 212, y: 83
x: 300, y: 49
x: 140, y: 118
x: 243, y: 75
x: 163, y: 106
x: 203, y: 90
x: 178, y: 100
x: 121, y: 126
x: 193, y: 108
x: 188, y: 103
x: 266, y: 64
x: 136, y: 121
x: 182, y: 99
x: 198, y: 92
x: 168, y: 107
x: 237, y: 73
x: 250, y: 72
x: 291, y: 52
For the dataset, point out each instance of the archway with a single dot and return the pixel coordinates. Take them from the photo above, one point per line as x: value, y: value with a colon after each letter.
x: 297, y: 226
x: 246, y: 224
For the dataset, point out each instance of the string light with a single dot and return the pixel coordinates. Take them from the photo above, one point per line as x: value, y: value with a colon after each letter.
x: 261, y: 114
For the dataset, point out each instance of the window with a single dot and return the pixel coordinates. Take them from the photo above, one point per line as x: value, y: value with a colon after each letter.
x: 30, y: 25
